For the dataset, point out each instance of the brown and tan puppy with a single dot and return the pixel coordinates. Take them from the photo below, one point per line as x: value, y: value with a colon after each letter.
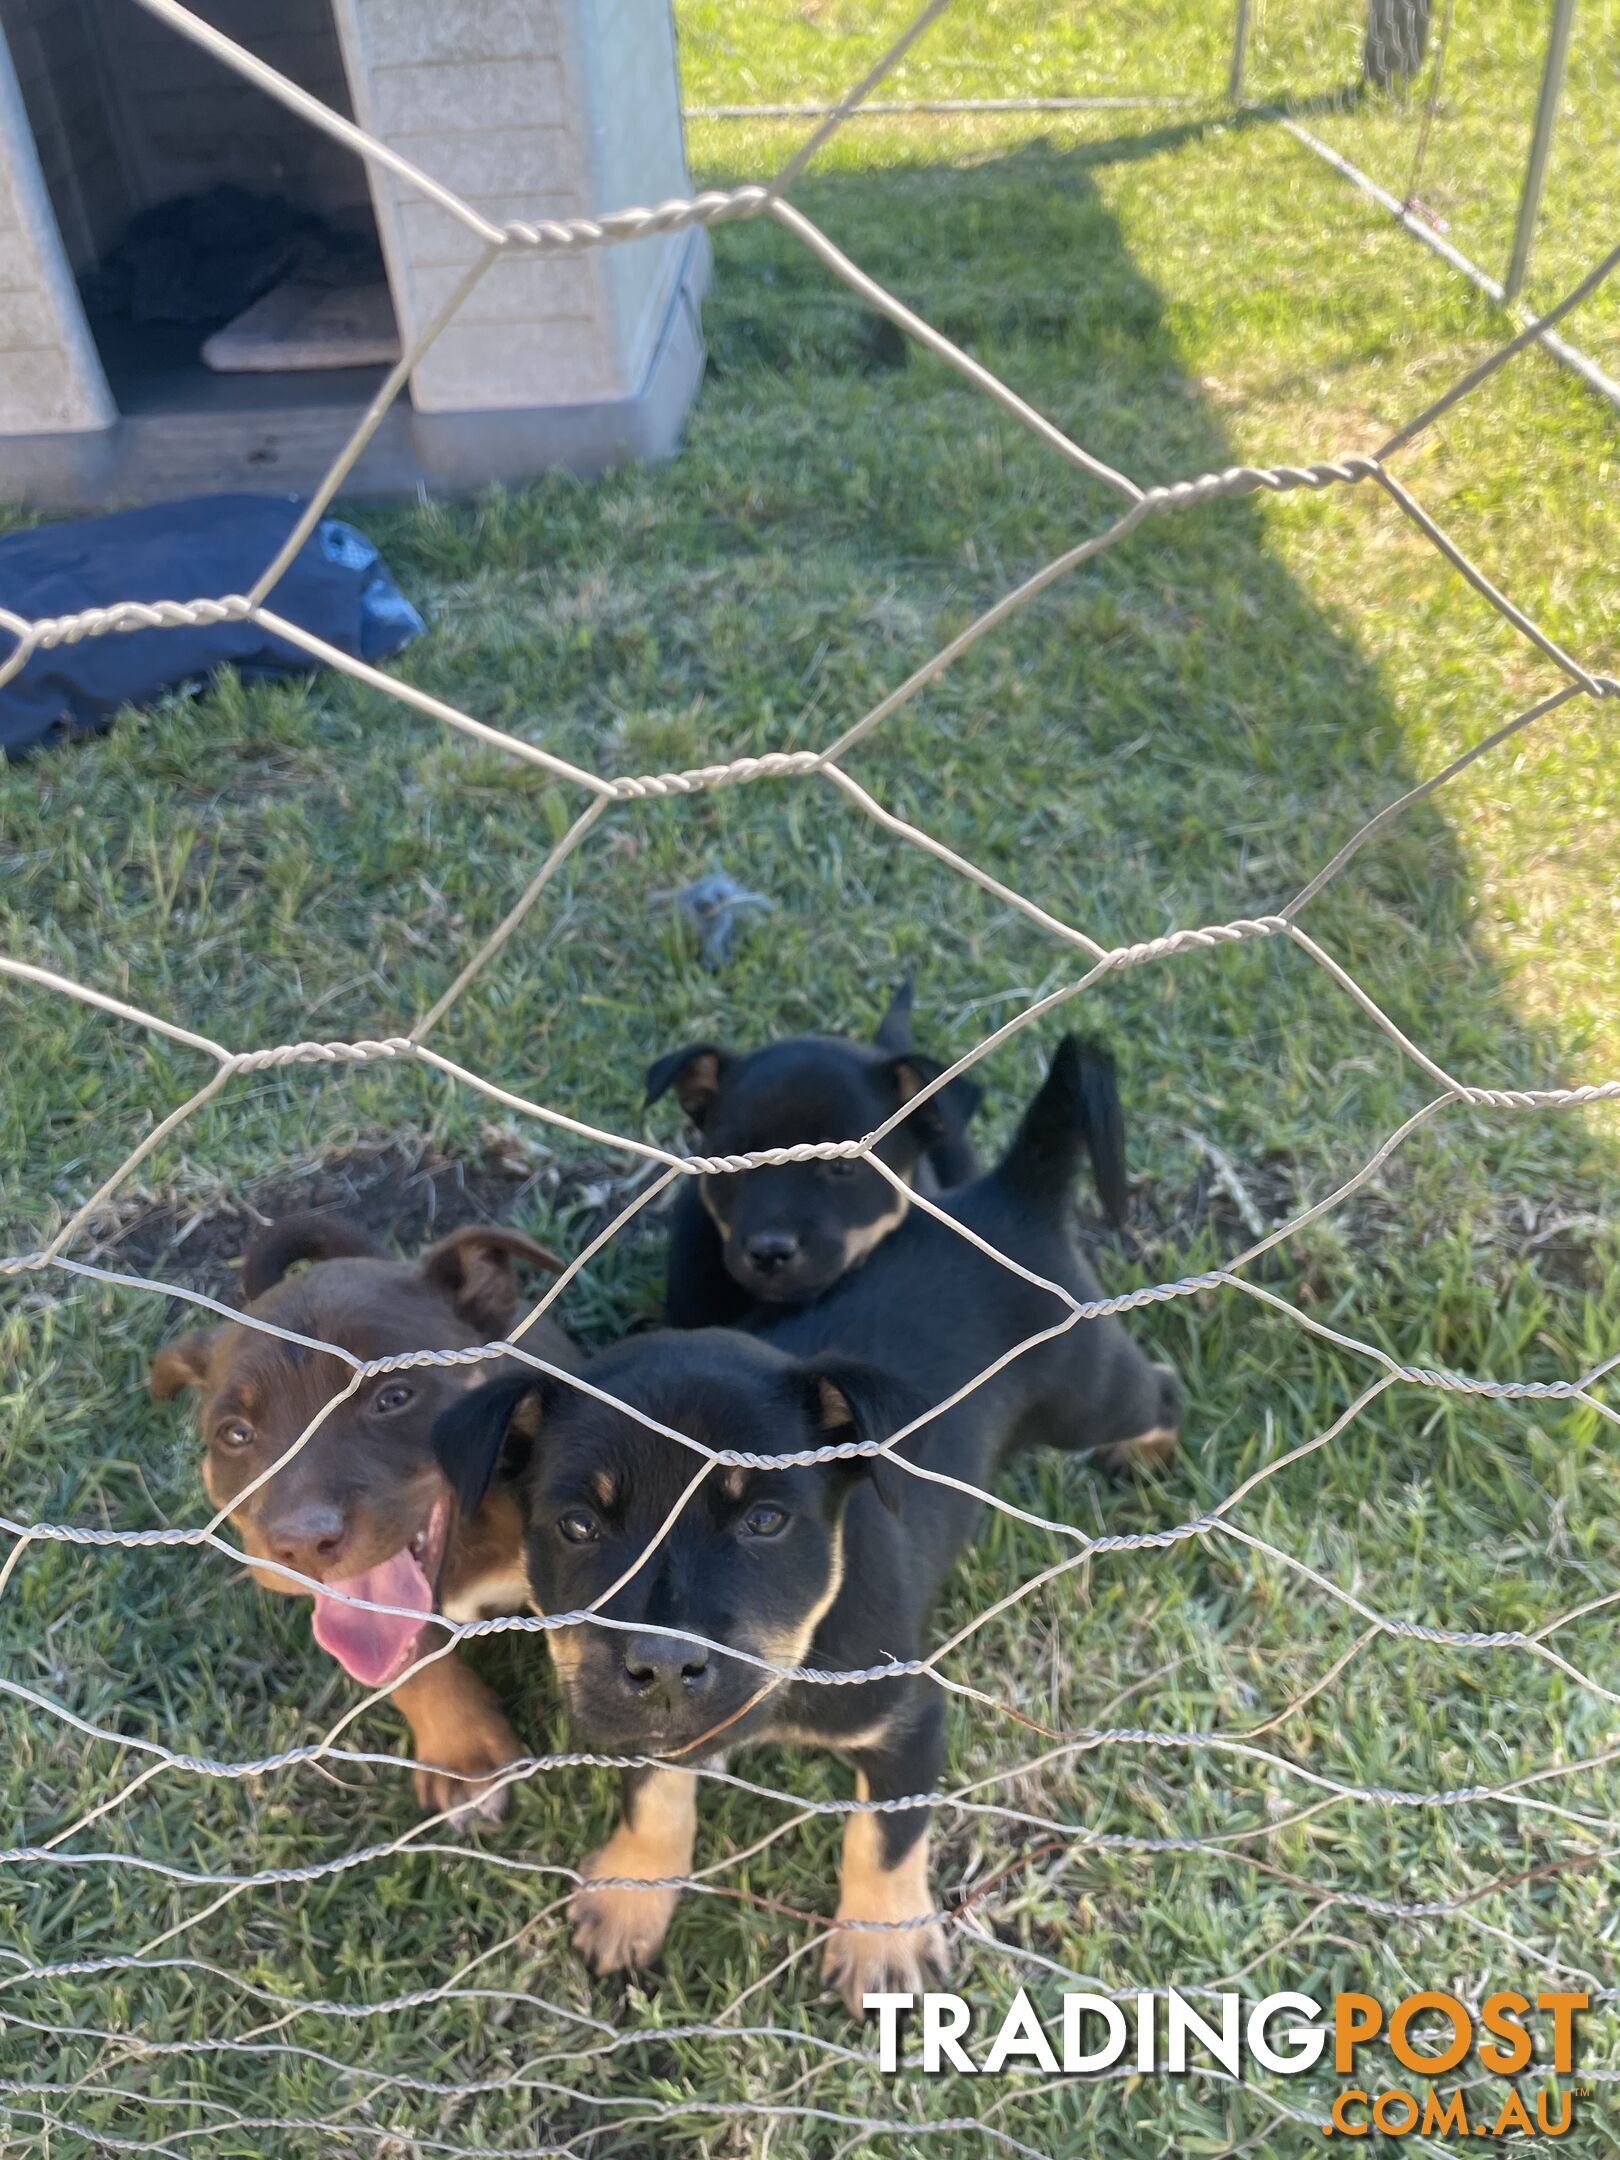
x: 363, y: 1507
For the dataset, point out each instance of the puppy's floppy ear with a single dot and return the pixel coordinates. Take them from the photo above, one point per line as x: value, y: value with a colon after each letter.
x: 490, y: 1428
x: 848, y: 1399
x: 472, y: 1267
x: 894, y: 1029
x: 281, y: 1245
x: 695, y: 1073
x: 944, y: 1116
x: 182, y: 1363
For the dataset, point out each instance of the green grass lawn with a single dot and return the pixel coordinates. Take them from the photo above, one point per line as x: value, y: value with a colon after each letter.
x: 1180, y: 734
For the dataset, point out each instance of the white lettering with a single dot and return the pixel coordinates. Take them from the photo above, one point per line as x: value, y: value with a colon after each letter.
x: 888, y: 2008
x: 944, y: 2019
x: 1226, y: 2045
x: 1021, y: 2034
x: 1075, y: 2009
x: 1304, y: 2042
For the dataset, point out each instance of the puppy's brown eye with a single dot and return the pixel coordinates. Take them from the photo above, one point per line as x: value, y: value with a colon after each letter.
x: 840, y: 1166
x: 234, y: 1432
x: 763, y: 1521
x: 579, y: 1526
x: 393, y: 1397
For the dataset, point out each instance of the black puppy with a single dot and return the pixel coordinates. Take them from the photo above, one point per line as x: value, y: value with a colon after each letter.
x: 832, y: 1566
x: 783, y: 1233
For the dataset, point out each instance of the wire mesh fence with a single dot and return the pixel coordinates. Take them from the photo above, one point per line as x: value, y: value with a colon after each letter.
x: 95, y: 2038
x: 1470, y: 118
x: 1468, y: 122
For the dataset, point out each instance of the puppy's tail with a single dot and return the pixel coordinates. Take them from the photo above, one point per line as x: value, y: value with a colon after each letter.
x: 1076, y: 1111
x: 302, y: 1237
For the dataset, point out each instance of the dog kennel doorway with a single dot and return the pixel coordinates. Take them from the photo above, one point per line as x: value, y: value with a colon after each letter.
x: 210, y: 231
x: 208, y: 290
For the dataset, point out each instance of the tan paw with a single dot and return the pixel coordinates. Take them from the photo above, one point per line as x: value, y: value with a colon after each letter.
x: 1153, y: 1450
x: 482, y: 1749
x: 885, y: 1961
x: 617, y: 1929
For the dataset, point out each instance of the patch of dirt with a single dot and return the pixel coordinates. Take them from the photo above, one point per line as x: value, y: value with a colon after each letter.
x: 1563, y: 1246
x: 1235, y: 1203
x: 404, y: 1191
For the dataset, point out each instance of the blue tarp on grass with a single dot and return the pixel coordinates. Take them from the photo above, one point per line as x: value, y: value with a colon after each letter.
x: 205, y: 547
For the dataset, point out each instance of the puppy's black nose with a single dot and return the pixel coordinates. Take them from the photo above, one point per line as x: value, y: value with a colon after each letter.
x: 770, y: 1251
x: 667, y: 1668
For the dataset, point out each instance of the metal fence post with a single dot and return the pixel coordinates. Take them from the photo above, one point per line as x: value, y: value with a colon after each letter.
x: 1240, y: 52
x: 1535, y: 172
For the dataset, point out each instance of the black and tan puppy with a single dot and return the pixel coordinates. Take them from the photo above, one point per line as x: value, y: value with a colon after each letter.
x: 832, y: 1567
x: 783, y: 1233
x: 363, y: 1507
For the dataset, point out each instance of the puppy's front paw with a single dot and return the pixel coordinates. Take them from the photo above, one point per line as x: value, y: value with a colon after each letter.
x: 902, y: 1948
x: 616, y: 1929
x: 1148, y: 1452
x: 885, y: 1961
x: 1155, y: 1448
x: 465, y: 1767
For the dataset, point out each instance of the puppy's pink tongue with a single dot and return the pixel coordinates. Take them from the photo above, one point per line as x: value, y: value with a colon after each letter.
x: 373, y: 1646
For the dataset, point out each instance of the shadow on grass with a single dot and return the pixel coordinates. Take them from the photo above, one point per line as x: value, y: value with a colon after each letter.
x: 1269, y: 736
